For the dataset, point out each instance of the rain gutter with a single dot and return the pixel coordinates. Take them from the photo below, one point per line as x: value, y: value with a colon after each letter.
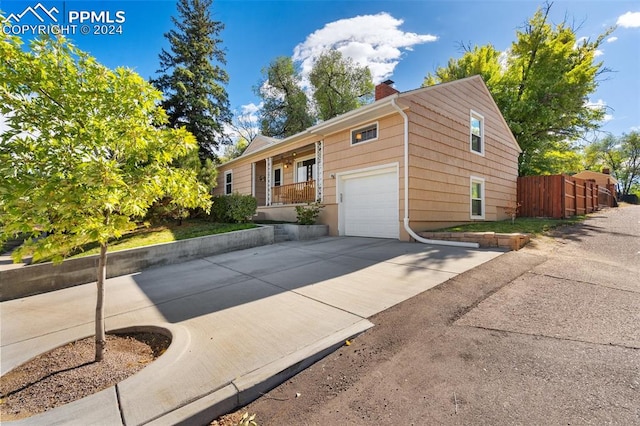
x: 407, y: 228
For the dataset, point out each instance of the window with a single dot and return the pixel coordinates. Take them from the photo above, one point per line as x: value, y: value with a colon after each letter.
x: 368, y: 133
x: 477, y: 198
x: 306, y: 170
x: 277, y: 177
x: 477, y: 133
x: 228, y: 183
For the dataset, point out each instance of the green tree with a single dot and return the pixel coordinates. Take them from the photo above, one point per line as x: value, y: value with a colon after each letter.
x: 540, y: 85
x: 193, y: 79
x: 165, y: 209
x: 234, y: 151
x: 477, y: 60
x: 603, y: 153
x: 85, y: 154
x: 285, y: 109
x: 340, y: 85
x: 621, y: 155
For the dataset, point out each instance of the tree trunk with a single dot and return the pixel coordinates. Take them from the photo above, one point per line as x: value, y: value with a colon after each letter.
x: 102, y: 276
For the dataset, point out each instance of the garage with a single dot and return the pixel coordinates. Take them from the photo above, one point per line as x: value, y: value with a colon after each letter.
x: 369, y: 203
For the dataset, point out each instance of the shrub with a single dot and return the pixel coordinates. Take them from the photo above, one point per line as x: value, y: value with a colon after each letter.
x: 307, y: 215
x: 165, y: 210
x: 233, y: 208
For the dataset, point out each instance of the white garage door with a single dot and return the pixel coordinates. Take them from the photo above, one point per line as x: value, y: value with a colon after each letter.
x: 370, y: 204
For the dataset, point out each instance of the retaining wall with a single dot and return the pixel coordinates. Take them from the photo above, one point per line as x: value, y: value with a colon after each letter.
x: 44, y: 277
x: 485, y: 239
x: 305, y: 232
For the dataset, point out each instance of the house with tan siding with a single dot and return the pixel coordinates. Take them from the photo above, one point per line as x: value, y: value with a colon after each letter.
x: 603, y: 179
x: 408, y: 162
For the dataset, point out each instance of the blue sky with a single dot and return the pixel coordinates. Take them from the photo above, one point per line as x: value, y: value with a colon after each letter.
x: 402, y: 40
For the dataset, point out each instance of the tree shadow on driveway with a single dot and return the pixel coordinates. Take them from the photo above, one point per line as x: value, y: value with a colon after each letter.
x: 363, y: 273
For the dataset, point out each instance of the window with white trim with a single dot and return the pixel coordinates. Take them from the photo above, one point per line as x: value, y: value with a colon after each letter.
x: 477, y: 198
x: 364, y: 134
x: 477, y: 133
x: 228, y: 182
x: 306, y: 170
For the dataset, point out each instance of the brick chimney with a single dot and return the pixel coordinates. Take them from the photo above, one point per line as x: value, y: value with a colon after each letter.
x: 606, y: 171
x: 385, y: 89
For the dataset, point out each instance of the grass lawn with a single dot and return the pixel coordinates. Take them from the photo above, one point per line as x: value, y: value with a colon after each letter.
x: 156, y: 234
x: 525, y: 225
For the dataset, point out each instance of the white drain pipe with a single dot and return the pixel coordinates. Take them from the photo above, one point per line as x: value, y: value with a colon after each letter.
x: 406, y: 191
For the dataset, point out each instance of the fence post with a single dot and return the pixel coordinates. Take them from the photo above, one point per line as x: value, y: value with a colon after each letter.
x: 586, y: 208
x: 563, y: 197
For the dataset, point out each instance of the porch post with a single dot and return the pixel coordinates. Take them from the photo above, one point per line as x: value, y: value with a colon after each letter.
x: 253, y: 179
x: 319, y: 171
x: 268, y: 173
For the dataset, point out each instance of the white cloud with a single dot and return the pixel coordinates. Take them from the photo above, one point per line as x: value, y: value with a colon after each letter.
x: 596, y: 105
x: 581, y: 40
x: 503, y: 59
x: 375, y: 41
x: 250, y: 109
x: 601, y: 105
x: 629, y: 20
x: 597, y: 53
x: 612, y: 39
x: 245, y: 122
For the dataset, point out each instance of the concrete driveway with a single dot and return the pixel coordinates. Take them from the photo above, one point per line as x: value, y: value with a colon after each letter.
x: 241, y: 322
x: 548, y: 335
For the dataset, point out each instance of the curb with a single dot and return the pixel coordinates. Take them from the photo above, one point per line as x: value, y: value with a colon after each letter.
x: 252, y: 385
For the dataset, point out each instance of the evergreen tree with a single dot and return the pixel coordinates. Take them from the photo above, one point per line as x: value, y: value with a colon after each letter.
x: 192, y: 79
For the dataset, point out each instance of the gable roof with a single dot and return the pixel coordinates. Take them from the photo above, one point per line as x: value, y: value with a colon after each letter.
x: 370, y: 112
x: 476, y: 79
x: 259, y: 142
x: 597, y: 176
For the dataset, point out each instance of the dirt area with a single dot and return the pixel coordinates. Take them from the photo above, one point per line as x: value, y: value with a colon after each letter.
x: 69, y: 372
x: 433, y: 359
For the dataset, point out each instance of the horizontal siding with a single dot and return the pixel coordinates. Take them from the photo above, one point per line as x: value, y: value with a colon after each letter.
x: 340, y: 156
x: 442, y: 162
x: 240, y: 180
x: 440, y: 157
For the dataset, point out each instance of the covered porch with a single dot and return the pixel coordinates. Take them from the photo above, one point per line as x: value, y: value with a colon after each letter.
x: 289, y: 178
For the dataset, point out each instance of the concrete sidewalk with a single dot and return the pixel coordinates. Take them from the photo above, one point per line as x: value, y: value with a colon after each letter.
x: 241, y: 322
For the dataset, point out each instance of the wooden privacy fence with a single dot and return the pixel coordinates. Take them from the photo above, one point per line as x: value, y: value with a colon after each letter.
x: 560, y: 196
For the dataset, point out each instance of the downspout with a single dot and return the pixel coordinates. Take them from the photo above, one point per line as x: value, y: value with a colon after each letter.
x: 406, y: 191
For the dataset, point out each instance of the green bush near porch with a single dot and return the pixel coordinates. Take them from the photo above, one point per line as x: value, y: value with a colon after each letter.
x: 233, y: 208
